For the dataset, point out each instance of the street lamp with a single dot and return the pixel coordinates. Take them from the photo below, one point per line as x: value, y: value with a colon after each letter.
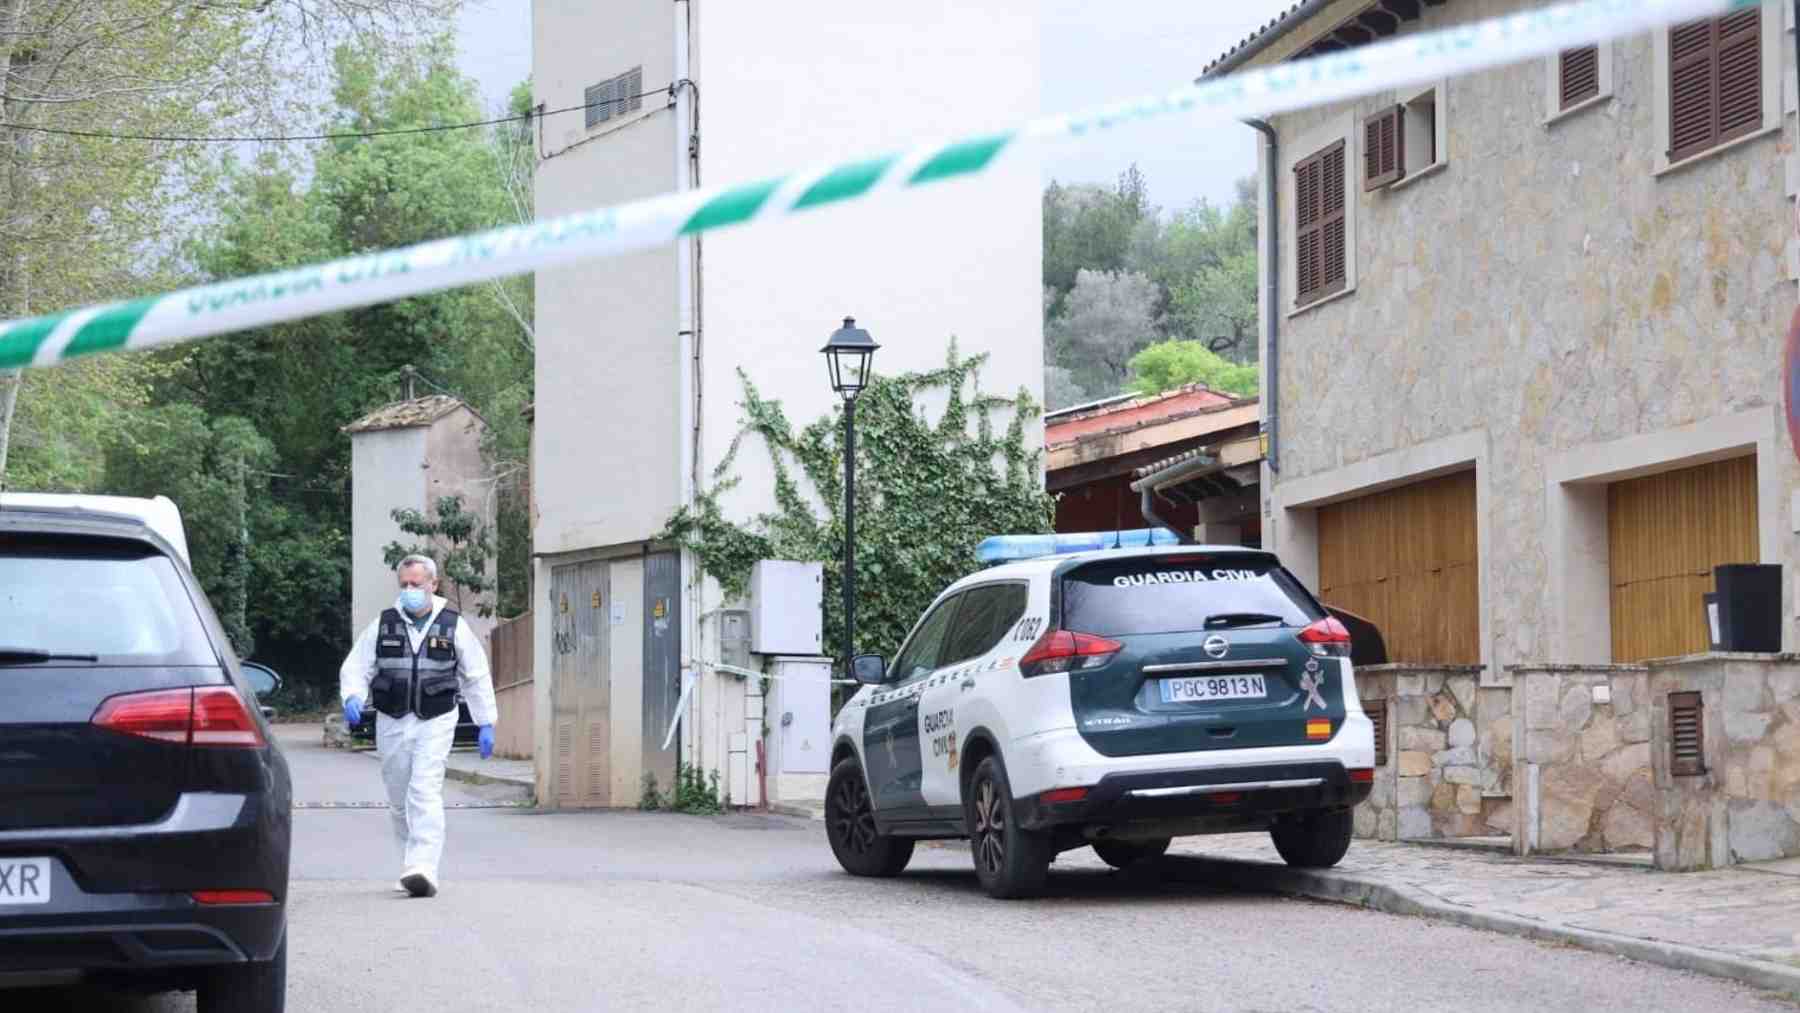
x: 848, y: 353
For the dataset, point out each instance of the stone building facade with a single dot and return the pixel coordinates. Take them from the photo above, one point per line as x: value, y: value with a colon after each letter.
x: 1523, y: 341
x: 1545, y: 302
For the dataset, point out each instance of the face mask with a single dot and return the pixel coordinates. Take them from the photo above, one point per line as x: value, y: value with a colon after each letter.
x: 415, y: 599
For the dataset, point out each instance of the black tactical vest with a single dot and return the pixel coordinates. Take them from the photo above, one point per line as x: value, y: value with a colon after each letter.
x: 407, y: 683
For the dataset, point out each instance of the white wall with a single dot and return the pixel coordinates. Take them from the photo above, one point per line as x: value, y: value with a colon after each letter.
x: 386, y: 475
x: 606, y: 468
x: 806, y: 81
x: 455, y: 467
x: 783, y: 85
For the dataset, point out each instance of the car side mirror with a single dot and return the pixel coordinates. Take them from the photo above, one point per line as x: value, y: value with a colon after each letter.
x: 869, y: 669
x: 262, y: 679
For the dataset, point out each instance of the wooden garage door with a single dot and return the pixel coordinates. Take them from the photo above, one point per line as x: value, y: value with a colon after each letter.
x: 1665, y: 533
x: 1406, y: 560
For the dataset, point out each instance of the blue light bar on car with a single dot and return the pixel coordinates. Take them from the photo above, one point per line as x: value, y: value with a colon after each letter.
x: 1011, y: 548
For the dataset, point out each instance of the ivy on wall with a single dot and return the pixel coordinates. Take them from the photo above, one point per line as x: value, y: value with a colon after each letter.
x: 926, y: 495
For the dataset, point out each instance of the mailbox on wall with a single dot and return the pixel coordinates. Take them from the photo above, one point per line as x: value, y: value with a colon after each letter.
x: 1743, y: 614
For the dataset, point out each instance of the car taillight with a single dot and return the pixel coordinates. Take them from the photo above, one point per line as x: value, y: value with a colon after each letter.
x: 221, y: 719
x: 1362, y: 775
x: 166, y: 715
x: 203, y: 716
x: 1062, y: 651
x: 1327, y: 638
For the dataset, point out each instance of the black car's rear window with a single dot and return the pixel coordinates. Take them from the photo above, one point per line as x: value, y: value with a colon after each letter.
x: 123, y: 604
x: 1176, y: 594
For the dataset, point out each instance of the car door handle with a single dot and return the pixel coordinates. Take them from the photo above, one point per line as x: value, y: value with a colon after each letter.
x: 968, y: 684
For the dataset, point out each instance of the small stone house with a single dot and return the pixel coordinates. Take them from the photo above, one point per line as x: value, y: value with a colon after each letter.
x: 407, y: 455
x: 1522, y: 392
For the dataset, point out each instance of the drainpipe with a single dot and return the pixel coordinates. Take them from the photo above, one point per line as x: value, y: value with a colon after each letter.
x: 1147, y: 507
x: 1271, y: 251
x: 688, y: 366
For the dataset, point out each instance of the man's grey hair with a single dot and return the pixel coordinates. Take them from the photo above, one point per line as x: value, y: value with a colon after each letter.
x: 425, y: 563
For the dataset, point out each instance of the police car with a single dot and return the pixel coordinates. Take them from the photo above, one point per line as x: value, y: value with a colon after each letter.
x: 1077, y: 694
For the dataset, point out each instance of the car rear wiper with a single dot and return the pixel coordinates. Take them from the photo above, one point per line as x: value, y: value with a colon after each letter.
x: 1225, y: 620
x: 32, y: 655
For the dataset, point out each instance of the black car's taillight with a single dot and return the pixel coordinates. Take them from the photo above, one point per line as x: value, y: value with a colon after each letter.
x: 199, y: 716
x: 1063, y: 651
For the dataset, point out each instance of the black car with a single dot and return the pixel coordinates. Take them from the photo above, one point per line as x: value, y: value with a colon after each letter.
x: 144, y: 807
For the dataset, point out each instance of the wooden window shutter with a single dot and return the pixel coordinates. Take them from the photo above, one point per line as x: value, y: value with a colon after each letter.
x: 1687, y: 735
x: 1319, y: 254
x: 1332, y: 226
x: 1384, y: 148
x: 1740, y: 74
x: 1715, y: 82
x: 1579, y: 75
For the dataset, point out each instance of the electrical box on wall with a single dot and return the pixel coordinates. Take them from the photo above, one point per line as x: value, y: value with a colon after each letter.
x: 734, y: 637
x: 787, y: 602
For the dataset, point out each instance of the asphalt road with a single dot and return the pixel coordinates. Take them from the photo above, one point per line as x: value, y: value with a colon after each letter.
x: 645, y: 911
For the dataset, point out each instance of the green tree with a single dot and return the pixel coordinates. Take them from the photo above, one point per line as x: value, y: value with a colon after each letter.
x: 1087, y: 227
x: 1119, y: 276
x: 459, y: 542
x: 926, y: 496
x: 300, y: 383
x: 1167, y: 365
x: 85, y: 214
x: 212, y: 469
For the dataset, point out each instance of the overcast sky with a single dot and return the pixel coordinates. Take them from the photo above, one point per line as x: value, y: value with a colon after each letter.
x: 1092, y: 52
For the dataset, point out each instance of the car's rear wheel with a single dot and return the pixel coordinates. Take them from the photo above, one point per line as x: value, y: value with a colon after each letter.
x: 1010, y: 860
x: 850, y: 825
x: 1120, y: 854
x: 1314, y: 840
x: 259, y: 987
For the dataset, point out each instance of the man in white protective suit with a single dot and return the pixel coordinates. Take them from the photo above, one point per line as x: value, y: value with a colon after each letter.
x: 409, y: 664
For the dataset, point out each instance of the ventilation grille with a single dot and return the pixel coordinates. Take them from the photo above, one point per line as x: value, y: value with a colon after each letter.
x: 1378, y: 714
x: 1687, y: 735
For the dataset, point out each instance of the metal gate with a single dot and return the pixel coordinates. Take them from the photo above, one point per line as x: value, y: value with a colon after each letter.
x: 580, y: 685
x: 662, y: 661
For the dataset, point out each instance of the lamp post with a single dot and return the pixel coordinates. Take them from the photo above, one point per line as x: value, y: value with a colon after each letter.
x: 848, y: 353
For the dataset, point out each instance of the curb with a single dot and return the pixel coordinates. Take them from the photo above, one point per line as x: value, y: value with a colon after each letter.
x: 816, y: 815
x: 1346, y: 888
x: 472, y: 777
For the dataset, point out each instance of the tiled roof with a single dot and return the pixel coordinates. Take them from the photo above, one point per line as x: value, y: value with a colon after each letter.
x: 1126, y: 414
x: 406, y: 414
x: 1169, y: 462
x: 1258, y: 40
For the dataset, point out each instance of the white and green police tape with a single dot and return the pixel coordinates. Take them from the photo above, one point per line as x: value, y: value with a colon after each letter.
x: 429, y: 267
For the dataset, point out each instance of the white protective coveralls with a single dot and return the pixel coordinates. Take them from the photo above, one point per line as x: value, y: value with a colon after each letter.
x: 414, y: 751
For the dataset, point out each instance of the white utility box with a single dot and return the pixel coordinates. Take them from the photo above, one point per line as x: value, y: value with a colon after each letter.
x: 787, y: 614
x: 799, y: 720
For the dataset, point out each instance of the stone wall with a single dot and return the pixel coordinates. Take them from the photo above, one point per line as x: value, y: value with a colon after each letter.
x: 1449, y: 749
x: 1745, y: 807
x: 1377, y: 818
x: 1584, y: 759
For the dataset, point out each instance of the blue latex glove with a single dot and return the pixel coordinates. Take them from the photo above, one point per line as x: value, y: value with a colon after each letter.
x: 487, y: 741
x: 353, y: 712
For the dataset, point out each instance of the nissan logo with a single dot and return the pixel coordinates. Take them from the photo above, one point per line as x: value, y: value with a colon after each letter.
x: 1216, y: 646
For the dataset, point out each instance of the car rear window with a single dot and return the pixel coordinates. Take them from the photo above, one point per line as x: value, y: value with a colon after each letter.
x: 1176, y: 594
x: 125, y: 605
